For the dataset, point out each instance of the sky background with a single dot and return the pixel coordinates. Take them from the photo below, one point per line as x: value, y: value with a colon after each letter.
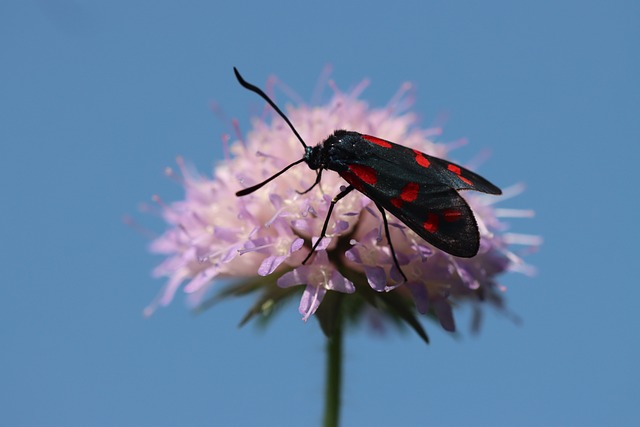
x: 97, y: 98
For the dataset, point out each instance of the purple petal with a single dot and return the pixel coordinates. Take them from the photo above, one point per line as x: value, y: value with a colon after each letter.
x: 295, y: 277
x: 376, y: 277
x: 170, y: 289
x: 467, y: 278
x: 200, y: 280
x: 353, y: 255
x: 420, y: 296
x: 340, y: 226
x: 445, y: 315
x: 321, y: 257
x: 296, y: 245
x: 229, y: 254
x: 270, y: 264
x: 323, y: 244
x: 301, y: 224
x: 341, y: 284
x: 395, y: 275
x: 310, y: 301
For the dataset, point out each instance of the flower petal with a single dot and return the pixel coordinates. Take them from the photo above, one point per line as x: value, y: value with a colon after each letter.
x: 341, y: 284
x: 376, y: 277
x: 297, y: 276
x: 270, y: 264
x: 310, y: 301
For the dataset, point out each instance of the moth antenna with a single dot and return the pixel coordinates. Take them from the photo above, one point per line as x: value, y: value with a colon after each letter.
x: 253, y: 188
x: 264, y: 96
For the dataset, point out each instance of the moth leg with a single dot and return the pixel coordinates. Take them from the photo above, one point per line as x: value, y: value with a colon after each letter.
x: 326, y: 221
x: 386, y: 231
x: 318, y: 176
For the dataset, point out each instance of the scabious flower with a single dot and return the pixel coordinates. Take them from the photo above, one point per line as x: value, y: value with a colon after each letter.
x: 260, y: 240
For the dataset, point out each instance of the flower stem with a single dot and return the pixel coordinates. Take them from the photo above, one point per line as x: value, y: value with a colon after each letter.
x: 333, y: 386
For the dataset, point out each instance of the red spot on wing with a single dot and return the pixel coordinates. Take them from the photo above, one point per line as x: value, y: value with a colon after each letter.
x: 465, y: 180
x: 353, y: 180
x: 455, y: 169
x: 410, y: 192
x: 364, y: 173
x: 432, y: 222
x: 452, y: 215
x: 421, y: 159
x: 377, y: 141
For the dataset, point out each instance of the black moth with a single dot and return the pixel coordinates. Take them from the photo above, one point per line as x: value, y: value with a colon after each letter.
x: 418, y: 189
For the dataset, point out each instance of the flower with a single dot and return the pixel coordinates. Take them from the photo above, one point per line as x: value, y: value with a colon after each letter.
x: 214, y: 235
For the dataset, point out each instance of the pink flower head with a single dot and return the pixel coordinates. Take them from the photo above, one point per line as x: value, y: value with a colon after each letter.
x: 216, y: 235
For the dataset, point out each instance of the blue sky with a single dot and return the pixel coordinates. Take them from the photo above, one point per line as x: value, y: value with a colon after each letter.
x: 96, y: 98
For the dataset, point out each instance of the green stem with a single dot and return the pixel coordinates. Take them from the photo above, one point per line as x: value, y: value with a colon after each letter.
x: 333, y: 389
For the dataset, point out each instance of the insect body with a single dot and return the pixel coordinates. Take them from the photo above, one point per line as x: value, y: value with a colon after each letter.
x: 418, y: 189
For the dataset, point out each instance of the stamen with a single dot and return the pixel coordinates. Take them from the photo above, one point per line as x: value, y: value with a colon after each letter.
x: 256, y: 248
x: 514, y: 213
x: 507, y: 193
x: 131, y: 222
x: 236, y: 128
x: 360, y: 87
x: 522, y: 239
x: 225, y: 146
x: 322, y: 82
x: 395, y: 101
